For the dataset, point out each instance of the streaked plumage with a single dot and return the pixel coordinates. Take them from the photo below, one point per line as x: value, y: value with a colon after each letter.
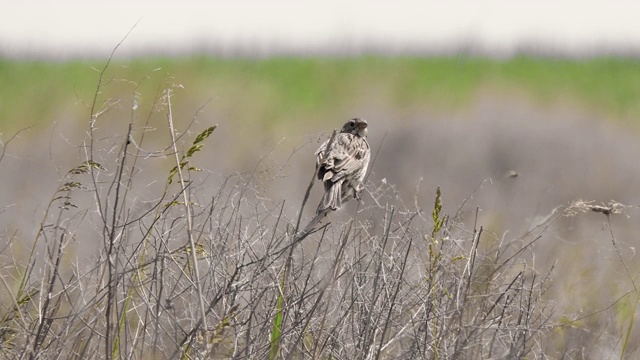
x: 345, y: 166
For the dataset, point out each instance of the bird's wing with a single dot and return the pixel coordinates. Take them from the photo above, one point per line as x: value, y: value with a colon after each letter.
x: 365, y: 161
x: 347, y: 155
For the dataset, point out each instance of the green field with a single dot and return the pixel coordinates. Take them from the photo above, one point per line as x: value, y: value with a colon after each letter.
x: 278, y: 89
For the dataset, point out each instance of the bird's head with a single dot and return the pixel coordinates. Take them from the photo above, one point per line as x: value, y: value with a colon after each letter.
x: 356, y: 127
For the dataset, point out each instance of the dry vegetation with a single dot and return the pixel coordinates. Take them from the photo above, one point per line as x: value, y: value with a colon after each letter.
x: 190, y: 265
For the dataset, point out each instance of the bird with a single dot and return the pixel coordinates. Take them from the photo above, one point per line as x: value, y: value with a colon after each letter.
x: 343, y: 166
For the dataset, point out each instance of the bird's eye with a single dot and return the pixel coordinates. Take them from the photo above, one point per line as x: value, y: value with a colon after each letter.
x: 352, y: 123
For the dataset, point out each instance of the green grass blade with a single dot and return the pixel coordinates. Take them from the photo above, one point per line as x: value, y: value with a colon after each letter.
x: 276, y: 328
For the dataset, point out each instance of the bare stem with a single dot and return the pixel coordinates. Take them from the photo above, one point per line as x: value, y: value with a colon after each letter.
x: 187, y: 207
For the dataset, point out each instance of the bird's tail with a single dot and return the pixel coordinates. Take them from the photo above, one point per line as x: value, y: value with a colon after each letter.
x: 332, y: 198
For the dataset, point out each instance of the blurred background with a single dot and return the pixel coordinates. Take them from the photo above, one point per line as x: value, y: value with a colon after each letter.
x: 513, y: 108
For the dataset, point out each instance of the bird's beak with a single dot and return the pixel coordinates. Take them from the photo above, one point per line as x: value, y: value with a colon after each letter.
x: 363, y: 125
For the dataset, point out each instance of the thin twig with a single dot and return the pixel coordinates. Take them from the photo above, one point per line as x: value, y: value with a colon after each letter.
x: 313, y: 179
x: 4, y: 146
x: 187, y: 207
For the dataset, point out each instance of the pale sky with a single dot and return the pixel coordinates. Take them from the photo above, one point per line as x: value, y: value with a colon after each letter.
x: 91, y: 28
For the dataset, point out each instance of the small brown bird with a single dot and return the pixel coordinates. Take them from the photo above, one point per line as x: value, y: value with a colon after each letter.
x: 343, y: 168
